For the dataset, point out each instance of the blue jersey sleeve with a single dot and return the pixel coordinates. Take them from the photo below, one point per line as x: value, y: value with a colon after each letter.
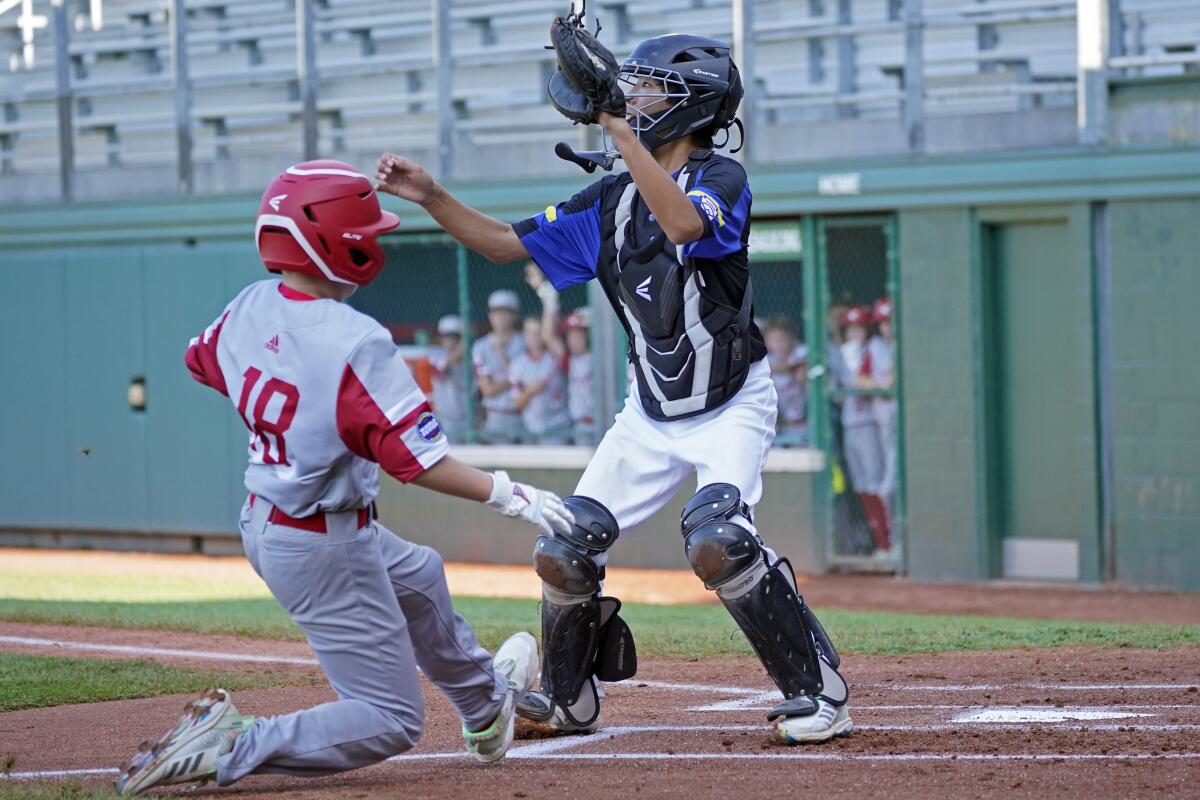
x: 722, y: 196
x: 564, y: 239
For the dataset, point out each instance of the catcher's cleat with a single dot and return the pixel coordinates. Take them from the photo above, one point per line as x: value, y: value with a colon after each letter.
x: 516, y: 662
x: 548, y: 717
x: 821, y: 724
x: 189, y: 751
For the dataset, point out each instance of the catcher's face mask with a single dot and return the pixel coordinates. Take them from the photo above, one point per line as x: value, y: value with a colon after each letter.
x: 650, y: 94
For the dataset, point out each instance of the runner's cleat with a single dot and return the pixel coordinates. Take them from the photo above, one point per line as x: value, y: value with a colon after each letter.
x: 821, y: 725
x: 189, y: 751
x: 516, y: 662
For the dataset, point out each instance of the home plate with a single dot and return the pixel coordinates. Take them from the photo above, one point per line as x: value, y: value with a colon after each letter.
x: 1003, y: 714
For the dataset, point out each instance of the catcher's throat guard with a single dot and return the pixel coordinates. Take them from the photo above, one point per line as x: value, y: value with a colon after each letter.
x: 582, y: 634
x: 761, y: 597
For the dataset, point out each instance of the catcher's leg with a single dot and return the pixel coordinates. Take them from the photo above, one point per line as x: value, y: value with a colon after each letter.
x: 582, y: 636
x: 761, y: 597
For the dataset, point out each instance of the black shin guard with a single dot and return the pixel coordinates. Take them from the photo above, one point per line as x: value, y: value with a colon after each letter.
x: 762, y: 598
x: 582, y: 634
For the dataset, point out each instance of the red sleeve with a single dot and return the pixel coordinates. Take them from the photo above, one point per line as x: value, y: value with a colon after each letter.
x: 201, y: 357
x: 406, y: 439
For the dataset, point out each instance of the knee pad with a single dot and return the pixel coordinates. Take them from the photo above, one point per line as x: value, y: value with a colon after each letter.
x: 564, y: 561
x: 718, y: 549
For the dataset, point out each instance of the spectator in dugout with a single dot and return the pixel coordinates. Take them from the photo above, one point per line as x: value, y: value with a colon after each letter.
x: 786, y: 359
x: 449, y: 379
x: 881, y: 375
x: 573, y: 351
x: 862, y: 444
x: 491, y: 356
x: 538, y: 382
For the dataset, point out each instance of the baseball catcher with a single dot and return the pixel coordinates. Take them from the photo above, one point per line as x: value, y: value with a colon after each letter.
x: 667, y: 243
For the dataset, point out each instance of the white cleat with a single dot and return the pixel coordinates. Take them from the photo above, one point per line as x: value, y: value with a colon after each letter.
x: 188, y: 752
x: 516, y: 662
x: 825, y: 723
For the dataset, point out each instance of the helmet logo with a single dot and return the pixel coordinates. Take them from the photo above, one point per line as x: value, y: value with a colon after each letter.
x: 276, y: 200
x: 355, y: 236
x: 706, y: 74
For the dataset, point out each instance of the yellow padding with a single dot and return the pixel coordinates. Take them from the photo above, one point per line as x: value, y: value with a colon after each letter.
x: 551, y: 213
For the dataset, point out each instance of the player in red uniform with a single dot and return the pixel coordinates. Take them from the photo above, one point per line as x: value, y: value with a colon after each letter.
x: 328, y: 400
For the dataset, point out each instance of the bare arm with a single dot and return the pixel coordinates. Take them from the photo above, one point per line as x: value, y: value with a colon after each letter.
x: 491, y: 238
x: 451, y: 476
x: 679, y: 219
x: 550, y: 313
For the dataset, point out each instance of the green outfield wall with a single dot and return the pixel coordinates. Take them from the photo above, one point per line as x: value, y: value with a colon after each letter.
x: 1050, y: 389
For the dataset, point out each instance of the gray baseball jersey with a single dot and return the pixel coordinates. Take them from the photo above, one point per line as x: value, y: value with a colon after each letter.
x: 328, y: 400
x: 546, y: 412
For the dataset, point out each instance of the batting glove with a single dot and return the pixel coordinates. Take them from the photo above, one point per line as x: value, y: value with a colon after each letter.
x: 536, y: 506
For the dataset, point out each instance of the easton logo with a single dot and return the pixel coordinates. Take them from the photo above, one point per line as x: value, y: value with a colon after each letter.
x: 643, y: 289
x: 428, y: 427
x: 273, y: 344
x: 706, y: 74
x: 276, y: 200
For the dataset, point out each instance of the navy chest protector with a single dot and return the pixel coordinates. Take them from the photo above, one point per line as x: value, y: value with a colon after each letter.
x: 690, y: 352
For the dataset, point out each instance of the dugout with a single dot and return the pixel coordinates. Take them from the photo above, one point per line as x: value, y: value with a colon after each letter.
x: 1049, y: 388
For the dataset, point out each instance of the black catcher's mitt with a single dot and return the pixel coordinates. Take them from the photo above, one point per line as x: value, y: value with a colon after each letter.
x: 585, y: 82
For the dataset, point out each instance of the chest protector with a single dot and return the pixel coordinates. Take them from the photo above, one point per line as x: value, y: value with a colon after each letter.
x: 691, y: 353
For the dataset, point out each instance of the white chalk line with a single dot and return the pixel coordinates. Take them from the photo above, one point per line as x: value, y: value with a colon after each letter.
x: 747, y: 693
x: 788, y: 756
x: 155, y: 651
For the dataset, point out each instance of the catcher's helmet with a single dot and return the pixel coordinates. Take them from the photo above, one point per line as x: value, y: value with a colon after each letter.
x: 701, y: 86
x: 323, y: 218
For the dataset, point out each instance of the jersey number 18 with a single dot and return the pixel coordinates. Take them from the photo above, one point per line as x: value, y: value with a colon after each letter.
x: 268, y: 430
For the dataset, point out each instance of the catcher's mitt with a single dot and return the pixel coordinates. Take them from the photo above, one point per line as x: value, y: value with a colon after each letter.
x: 585, y: 82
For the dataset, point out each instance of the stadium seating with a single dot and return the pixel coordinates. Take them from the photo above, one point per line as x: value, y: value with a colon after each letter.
x: 815, y: 60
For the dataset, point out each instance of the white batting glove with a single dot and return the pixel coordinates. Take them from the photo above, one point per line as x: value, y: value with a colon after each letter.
x: 536, y: 506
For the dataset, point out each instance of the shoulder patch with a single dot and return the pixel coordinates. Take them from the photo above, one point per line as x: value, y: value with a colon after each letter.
x: 711, y: 207
x: 551, y: 213
x: 428, y: 427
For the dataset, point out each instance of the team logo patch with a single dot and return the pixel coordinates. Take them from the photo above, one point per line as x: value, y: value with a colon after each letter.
x: 709, y: 206
x: 428, y: 428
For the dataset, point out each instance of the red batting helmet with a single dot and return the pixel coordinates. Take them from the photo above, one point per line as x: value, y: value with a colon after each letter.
x: 323, y: 218
x: 856, y: 315
x: 882, y: 312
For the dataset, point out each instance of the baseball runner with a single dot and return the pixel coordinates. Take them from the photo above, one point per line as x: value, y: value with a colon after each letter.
x: 328, y: 400
x: 667, y: 242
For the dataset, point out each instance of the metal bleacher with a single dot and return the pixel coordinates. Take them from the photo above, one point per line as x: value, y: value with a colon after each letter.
x: 824, y: 62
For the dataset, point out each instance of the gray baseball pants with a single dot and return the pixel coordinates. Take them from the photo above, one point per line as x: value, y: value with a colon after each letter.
x: 374, y: 607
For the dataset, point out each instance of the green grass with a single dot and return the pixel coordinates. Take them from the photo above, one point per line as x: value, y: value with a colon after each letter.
x: 32, y: 681
x: 245, y: 608
x: 23, y: 790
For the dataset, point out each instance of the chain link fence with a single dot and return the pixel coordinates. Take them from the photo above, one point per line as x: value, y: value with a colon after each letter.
x: 521, y: 371
x: 858, y: 260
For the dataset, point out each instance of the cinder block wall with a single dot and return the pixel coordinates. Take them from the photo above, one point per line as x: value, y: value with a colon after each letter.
x: 939, y: 394
x: 1155, y: 269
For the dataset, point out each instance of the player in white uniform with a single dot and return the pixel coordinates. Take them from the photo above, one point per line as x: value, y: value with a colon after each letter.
x: 882, y: 369
x: 491, y: 356
x: 539, y: 389
x: 667, y: 243
x: 860, y: 430
x: 572, y: 352
x: 328, y: 401
x: 449, y: 379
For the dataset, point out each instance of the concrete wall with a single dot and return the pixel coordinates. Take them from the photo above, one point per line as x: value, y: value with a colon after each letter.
x: 941, y: 439
x: 1155, y: 248
x: 469, y: 532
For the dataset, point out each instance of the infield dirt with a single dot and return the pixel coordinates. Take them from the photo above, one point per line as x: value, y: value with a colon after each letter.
x: 697, y: 729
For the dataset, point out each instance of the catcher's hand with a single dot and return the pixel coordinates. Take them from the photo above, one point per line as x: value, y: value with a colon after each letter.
x: 585, y: 82
x: 544, y: 510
